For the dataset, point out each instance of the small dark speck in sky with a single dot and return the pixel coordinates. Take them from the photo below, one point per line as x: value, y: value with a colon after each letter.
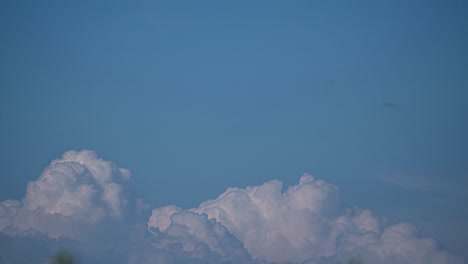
x: 389, y: 104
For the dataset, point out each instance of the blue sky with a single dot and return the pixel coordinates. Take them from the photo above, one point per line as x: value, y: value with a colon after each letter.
x: 197, y: 96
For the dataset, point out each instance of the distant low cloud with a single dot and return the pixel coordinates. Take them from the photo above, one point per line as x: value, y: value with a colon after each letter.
x: 88, y: 205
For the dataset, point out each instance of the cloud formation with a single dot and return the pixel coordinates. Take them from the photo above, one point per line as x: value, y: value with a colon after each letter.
x: 191, y: 233
x: 275, y: 226
x: 78, y: 188
x: 303, y: 224
x: 88, y: 205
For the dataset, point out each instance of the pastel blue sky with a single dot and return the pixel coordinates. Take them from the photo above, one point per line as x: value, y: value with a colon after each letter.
x: 197, y: 96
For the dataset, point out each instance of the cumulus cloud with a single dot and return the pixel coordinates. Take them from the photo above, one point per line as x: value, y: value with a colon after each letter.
x: 303, y: 224
x: 398, y: 243
x: 88, y: 205
x: 78, y: 188
x: 91, y: 202
x: 276, y: 226
x: 80, y: 185
x: 187, y: 232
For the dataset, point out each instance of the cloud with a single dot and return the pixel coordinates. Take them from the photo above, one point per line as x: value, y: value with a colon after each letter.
x: 277, y: 226
x: 398, y: 243
x: 91, y: 202
x: 186, y: 232
x: 304, y: 224
x: 78, y: 188
x: 88, y: 205
x: 82, y: 186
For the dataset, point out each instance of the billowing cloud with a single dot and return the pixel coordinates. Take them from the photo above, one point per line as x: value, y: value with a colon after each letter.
x: 303, y: 224
x: 91, y: 202
x: 398, y: 243
x: 88, y: 204
x: 193, y: 233
x: 276, y: 226
x: 82, y: 186
x: 79, y: 189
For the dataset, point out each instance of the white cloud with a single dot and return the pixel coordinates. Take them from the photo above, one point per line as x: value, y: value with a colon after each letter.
x: 78, y: 196
x: 396, y: 244
x: 278, y: 226
x: 80, y: 185
x: 91, y: 202
x: 193, y: 233
x: 303, y: 224
x: 88, y: 204
x: 74, y: 191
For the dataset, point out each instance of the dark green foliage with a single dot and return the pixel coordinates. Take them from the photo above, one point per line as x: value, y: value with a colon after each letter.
x: 355, y: 261
x: 63, y: 257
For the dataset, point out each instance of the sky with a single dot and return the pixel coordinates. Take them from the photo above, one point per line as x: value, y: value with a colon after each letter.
x: 195, y: 97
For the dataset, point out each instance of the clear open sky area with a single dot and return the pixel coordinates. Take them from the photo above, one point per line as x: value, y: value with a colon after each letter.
x: 193, y: 97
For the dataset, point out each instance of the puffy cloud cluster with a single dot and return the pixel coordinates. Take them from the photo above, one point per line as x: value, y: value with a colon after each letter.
x: 78, y: 188
x: 88, y: 205
x: 395, y: 244
x: 90, y: 202
x: 276, y: 226
x: 80, y: 185
x: 303, y: 224
x: 183, y: 231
